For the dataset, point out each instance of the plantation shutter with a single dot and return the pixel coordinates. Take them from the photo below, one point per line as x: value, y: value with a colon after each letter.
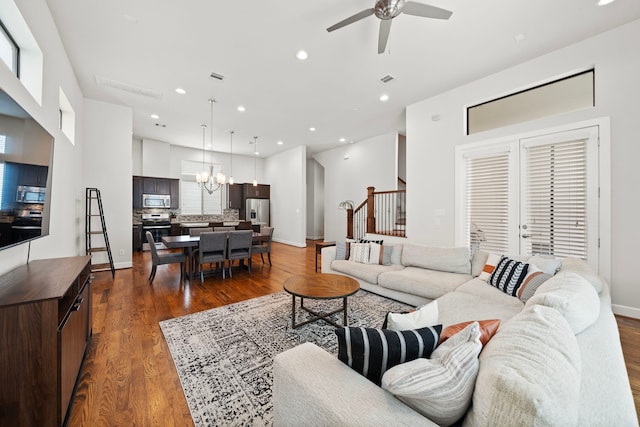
x: 556, y: 199
x: 488, y: 201
x: 193, y: 199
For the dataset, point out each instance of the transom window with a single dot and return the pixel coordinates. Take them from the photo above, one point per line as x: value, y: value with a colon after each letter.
x: 9, y: 50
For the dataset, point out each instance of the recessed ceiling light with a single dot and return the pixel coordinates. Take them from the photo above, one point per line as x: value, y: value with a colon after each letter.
x: 519, y: 37
x: 155, y: 116
x: 343, y: 139
x: 302, y: 55
x: 279, y: 142
x: 604, y: 2
x: 241, y: 109
x: 312, y: 129
x: 384, y: 97
x: 256, y: 153
x: 180, y: 91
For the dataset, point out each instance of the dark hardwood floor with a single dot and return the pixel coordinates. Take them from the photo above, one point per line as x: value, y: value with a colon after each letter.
x: 129, y: 378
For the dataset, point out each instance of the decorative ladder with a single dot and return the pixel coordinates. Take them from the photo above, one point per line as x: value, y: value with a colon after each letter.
x: 92, y: 195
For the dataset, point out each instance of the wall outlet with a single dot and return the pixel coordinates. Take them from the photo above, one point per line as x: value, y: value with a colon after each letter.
x: 122, y: 252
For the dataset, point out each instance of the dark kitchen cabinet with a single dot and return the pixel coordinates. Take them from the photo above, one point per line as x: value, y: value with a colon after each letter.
x: 176, y: 230
x: 45, y: 313
x: 33, y: 175
x: 260, y: 191
x: 235, y: 196
x: 149, y: 185
x: 137, y: 237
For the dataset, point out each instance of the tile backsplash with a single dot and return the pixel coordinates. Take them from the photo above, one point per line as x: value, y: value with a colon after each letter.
x: 228, y: 215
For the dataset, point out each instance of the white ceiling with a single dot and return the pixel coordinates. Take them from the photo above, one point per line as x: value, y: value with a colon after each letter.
x: 158, y: 45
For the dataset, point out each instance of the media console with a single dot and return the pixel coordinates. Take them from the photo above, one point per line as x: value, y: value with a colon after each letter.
x: 45, y: 329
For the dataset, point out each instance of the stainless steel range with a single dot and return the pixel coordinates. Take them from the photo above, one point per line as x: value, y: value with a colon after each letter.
x: 27, y: 224
x: 159, y: 224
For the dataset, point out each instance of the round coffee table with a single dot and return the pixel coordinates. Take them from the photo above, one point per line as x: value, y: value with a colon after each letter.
x: 320, y: 286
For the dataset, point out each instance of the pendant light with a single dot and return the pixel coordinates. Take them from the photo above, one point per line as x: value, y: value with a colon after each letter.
x: 206, y: 180
x: 231, y: 158
x: 255, y: 159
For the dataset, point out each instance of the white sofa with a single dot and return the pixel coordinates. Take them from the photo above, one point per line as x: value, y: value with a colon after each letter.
x: 313, y: 387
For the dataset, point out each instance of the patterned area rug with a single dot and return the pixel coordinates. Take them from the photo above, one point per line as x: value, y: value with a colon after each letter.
x: 224, y: 356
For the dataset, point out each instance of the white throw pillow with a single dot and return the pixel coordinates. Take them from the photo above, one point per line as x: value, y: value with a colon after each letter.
x: 549, y: 265
x: 427, y: 315
x: 489, y: 266
x: 440, y: 388
x: 529, y: 373
x: 359, y: 253
x: 572, y: 296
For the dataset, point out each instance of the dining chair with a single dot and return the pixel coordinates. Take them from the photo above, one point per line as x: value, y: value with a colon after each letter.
x: 263, y: 247
x: 166, y: 258
x: 196, y: 232
x: 239, y: 247
x: 224, y: 228
x: 212, y: 248
x: 244, y: 225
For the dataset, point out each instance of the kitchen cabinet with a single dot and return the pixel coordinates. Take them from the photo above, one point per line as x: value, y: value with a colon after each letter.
x: 33, y: 175
x: 235, y: 196
x: 260, y: 191
x: 149, y: 185
x: 137, y: 237
x: 45, y: 313
x: 176, y: 230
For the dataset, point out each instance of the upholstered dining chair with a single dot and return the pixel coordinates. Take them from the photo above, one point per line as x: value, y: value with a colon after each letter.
x: 239, y: 247
x: 167, y: 258
x: 224, y: 228
x: 263, y: 247
x: 196, y: 232
x: 244, y: 225
x: 212, y: 248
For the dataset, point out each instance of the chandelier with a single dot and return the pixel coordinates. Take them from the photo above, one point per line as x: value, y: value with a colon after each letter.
x: 206, y: 179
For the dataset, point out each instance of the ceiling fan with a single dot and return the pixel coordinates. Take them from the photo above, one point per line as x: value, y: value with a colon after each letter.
x: 386, y: 10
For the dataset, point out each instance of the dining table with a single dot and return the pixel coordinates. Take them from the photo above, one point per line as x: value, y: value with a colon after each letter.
x: 187, y: 243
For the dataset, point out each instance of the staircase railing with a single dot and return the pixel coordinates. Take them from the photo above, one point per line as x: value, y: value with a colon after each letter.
x: 383, y: 212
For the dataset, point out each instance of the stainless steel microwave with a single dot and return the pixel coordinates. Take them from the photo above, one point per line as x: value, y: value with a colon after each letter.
x: 161, y: 201
x: 27, y: 194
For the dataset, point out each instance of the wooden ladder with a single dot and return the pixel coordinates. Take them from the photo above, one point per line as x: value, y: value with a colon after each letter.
x: 93, y: 195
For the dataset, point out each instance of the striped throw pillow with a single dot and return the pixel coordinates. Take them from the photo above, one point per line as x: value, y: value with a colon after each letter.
x: 359, y: 253
x: 342, y: 250
x: 509, y: 275
x: 371, y: 351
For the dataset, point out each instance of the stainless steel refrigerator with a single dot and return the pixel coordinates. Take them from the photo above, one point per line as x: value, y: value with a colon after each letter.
x: 257, y: 211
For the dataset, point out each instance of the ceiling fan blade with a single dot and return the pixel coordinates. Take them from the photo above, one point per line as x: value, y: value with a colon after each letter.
x: 383, y: 36
x: 350, y: 20
x: 425, y: 10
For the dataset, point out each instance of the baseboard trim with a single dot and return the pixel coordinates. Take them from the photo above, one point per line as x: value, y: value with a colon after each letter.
x: 296, y: 244
x: 315, y: 237
x: 623, y: 310
x: 123, y: 265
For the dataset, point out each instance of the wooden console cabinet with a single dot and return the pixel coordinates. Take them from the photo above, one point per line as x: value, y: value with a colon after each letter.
x: 45, y: 320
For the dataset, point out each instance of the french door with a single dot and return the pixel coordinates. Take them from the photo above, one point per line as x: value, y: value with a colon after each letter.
x: 536, y: 195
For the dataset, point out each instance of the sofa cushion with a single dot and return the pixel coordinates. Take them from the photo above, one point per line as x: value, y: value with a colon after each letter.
x: 367, y: 272
x: 426, y: 315
x: 508, y: 275
x: 441, y: 387
x: 487, y: 327
x: 548, y: 264
x: 422, y: 282
x: 579, y: 266
x: 476, y: 300
x: 572, y: 296
x: 372, y: 351
x: 453, y: 260
x: 529, y: 373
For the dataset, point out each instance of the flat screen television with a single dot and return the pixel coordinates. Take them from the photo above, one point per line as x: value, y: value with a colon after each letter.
x: 26, y: 160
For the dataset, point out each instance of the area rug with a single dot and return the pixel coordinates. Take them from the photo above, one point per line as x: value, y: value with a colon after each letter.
x: 224, y: 356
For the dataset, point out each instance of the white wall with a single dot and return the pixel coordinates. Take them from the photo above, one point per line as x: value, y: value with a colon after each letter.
x: 315, y: 200
x: 371, y: 162
x: 430, y: 145
x: 287, y: 173
x: 107, y: 167
x: 66, y: 236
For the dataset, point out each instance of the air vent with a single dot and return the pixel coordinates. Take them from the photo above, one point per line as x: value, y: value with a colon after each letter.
x: 126, y: 87
x: 216, y: 76
x: 386, y: 79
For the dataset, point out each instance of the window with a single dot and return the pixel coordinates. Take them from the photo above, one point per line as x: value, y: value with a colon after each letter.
x: 9, y: 51
x: 67, y: 116
x: 559, y: 96
x: 3, y: 150
x: 193, y: 200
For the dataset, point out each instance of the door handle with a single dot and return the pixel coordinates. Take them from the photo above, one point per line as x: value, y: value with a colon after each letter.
x: 525, y: 236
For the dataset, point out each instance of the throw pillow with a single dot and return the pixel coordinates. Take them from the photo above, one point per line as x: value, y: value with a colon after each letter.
x: 508, y: 275
x: 371, y: 351
x: 487, y: 329
x: 370, y: 241
x: 549, y: 265
x: 535, y: 277
x: 440, y: 388
x: 530, y: 373
x: 426, y: 315
x: 490, y: 265
x: 359, y: 253
x: 379, y: 254
x: 572, y: 296
x: 343, y: 250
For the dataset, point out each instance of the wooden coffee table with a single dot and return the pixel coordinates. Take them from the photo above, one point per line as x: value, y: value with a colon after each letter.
x: 320, y: 286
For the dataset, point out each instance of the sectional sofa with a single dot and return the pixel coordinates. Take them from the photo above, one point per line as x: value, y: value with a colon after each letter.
x: 556, y: 359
